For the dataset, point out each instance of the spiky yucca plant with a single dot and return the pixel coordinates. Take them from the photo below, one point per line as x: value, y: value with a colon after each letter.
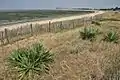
x: 88, y: 33
x: 29, y: 62
x: 112, y: 37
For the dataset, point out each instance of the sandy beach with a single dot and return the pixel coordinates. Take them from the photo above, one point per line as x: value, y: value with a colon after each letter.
x: 53, y: 20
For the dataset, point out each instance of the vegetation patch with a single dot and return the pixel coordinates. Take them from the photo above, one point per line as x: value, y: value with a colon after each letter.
x: 111, y: 37
x: 89, y: 33
x: 29, y: 62
x: 76, y: 59
x: 96, y: 23
x: 110, y: 19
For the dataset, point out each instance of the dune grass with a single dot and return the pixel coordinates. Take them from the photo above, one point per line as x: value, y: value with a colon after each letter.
x: 77, y: 59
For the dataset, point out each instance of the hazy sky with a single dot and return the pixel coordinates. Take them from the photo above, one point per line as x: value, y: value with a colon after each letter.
x: 43, y: 4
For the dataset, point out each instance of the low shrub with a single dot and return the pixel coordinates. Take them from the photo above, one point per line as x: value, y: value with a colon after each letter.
x: 88, y: 33
x: 111, y: 37
x: 29, y: 62
x: 96, y: 23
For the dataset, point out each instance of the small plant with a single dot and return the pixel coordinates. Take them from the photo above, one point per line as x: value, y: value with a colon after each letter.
x: 96, y: 23
x: 29, y: 62
x: 111, y: 37
x: 88, y: 33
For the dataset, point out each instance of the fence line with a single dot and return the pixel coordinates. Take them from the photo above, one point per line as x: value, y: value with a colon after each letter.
x: 11, y: 35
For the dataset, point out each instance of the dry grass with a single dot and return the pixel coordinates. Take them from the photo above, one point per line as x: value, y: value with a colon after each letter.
x: 76, y: 59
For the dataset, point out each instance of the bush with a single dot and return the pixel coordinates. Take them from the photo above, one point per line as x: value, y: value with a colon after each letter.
x: 96, y: 23
x: 111, y: 37
x: 29, y: 62
x: 88, y: 33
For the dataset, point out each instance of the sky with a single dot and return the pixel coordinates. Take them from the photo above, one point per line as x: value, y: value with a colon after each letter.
x: 52, y: 4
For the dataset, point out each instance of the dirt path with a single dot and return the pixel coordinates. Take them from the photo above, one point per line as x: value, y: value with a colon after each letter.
x: 53, y: 20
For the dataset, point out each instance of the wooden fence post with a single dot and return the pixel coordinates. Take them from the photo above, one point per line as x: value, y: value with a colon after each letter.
x: 73, y: 24
x: 6, y: 35
x: 31, y: 29
x: 53, y: 26
x: 2, y: 39
x: 84, y: 21
x: 54, y: 29
x: 49, y: 25
x: 91, y: 18
x: 41, y: 28
x: 21, y: 31
x: 61, y: 25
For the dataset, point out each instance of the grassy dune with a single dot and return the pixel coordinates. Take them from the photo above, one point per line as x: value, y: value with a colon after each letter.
x: 76, y: 59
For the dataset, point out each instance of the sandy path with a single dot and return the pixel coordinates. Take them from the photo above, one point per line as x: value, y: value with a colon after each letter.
x: 47, y: 21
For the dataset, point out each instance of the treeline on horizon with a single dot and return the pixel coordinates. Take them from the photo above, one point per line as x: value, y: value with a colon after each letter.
x: 114, y: 9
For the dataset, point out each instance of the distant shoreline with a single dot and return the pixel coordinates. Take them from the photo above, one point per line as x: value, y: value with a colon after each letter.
x: 18, y: 10
x: 14, y: 26
x: 33, y: 20
x: 10, y: 18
